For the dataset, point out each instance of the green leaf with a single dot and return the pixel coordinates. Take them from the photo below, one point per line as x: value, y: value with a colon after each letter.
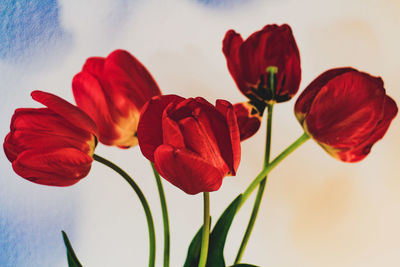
x: 192, y: 258
x: 219, y: 233
x: 217, y: 239
x: 193, y: 255
x: 72, y: 259
x: 244, y: 265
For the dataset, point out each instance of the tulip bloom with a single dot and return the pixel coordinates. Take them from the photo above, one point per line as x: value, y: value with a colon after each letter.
x: 192, y: 143
x: 346, y: 112
x: 248, y: 118
x: 53, y: 145
x: 112, y: 91
x: 271, y: 51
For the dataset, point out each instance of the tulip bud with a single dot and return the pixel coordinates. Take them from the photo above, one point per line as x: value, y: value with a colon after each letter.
x: 271, y: 50
x: 192, y: 143
x: 112, y: 91
x: 346, y: 112
x: 53, y: 145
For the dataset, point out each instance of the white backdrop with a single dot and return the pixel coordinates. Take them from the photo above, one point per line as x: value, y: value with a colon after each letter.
x: 316, y: 212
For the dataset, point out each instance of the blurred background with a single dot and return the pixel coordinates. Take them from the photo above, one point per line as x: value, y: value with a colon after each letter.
x: 317, y: 211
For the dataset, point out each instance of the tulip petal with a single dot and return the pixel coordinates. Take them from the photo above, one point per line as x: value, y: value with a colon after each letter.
x: 199, y: 138
x: 60, y: 167
x: 11, y: 150
x: 254, y: 53
x: 346, y: 109
x: 172, y: 133
x: 182, y: 109
x: 230, y: 47
x: 248, y: 62
x: 150, y: 132
x: 91, y: 98
x: 231, y: 153
x: 203, y: 121
x: 223, y: 124
x: 94, y: 66
x: 186, y: 170
x: 18, y: 141
x: 272, y: 46
x: 362, y: 150
x: 288, y: 78
x: 66, y: 110
x: 303, y: 103
x: 36, y: 128
x: 220, y: 130
x: 112, y: 91
x: 46, y: 121
x: 128, y: 80
x: 248, y: 122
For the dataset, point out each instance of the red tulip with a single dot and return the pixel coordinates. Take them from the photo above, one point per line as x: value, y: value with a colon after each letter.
x: 248, y: 118
x: 193, y: 144
x: 53, y: 145
x: 346, y: 112
x: 250, y: 62
x: 112, y: 91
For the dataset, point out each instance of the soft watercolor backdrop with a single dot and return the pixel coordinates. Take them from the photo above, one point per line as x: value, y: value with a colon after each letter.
x: 316, y: 212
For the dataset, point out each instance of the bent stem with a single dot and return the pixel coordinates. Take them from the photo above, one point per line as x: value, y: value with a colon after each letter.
x: 261, y: 176
x: 149, y: 217
x: 164, y: 215
x: 260, y: 191
x: 206, y: 231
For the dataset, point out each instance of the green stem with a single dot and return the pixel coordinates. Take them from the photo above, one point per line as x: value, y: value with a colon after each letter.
x: 149, y: 217
x: 268, y: 136
x: 206, y: 231
x: 164, y: 215
x: 260, y: 191
x: 303, y: 138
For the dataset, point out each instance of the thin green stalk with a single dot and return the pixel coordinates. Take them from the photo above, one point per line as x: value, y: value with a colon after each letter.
x: 149, y: 217
x: 268, y: 135
x: 206, y: 231
x: 260, y: 191
x: 164, y: 210
x: 260, y: 177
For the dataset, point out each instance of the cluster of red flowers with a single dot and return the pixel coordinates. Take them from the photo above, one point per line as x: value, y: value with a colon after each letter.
x: 192, y: 143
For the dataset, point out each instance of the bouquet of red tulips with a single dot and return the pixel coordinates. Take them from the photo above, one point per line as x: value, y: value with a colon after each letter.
x: 192, y: 143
